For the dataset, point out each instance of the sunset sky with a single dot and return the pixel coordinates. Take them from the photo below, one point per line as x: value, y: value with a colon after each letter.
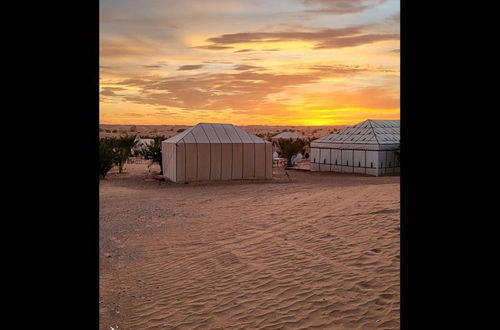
x: 252, y: 62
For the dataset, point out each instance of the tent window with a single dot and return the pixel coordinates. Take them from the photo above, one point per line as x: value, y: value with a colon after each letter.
x: 381, y: 164
x: 347, y: 163
x: 371, y: 165
x: 324, y: 161
x: 359, y: 164
x: 389, y: 164
x: 335, y: 162
x: 314, y: 160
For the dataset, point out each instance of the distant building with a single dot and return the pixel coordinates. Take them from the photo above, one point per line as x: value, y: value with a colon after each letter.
x: 370, y: 147
x: 141, y: 144
x: 285, y: 135
x: 216, y: 152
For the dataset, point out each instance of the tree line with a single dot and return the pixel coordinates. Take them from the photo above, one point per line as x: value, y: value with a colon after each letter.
x: 115, y: 151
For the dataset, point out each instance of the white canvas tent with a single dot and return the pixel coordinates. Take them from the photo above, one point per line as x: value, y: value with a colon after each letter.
x: 369, y: 147
x: 285, y: 135
x: 216, y: 152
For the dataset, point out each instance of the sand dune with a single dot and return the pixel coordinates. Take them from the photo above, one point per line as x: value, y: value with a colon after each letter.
x: 320, y: 252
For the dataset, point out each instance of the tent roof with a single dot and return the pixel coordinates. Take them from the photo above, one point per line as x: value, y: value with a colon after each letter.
x: 286, y: 135
x: 381, y: 133
x: 215, y: 133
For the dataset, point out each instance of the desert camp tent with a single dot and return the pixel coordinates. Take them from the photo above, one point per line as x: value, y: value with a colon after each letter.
x: 216, y: 152
x: 141, y: 144
x: 370, y: 147
x: 285, y: 135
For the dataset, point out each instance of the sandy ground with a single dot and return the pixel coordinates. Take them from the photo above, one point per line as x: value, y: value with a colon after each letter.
x: 318, y: 252
x: 172, y: 130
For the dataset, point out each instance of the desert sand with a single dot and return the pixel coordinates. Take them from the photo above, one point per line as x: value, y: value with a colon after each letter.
x: 318, y: 252
x: 172, y: 130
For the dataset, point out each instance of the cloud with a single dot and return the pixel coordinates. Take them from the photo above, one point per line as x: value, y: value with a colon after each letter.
x: 190, y: 67
x: 213, y: 47
x: 243, y: 91
x: 244, y: 50
x: 356, y: 40
x: 110, y: 91
x: 152, y: 67
x: 341, y: 7
x: 241, y: 67
x: 323, y: 38
x: 396, y: 51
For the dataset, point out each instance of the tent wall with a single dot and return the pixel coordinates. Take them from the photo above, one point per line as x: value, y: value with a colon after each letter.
x: 347, y: 161
x: 324, y: 157
x: 371, y: 162
x: 269, y: 160
x: 216, y: 152
x: 215, y: 161
x: 226, y: 161
x: 314, y: 159
x: 169, y: 159
x: 260, y: 160
x: 248, y: 160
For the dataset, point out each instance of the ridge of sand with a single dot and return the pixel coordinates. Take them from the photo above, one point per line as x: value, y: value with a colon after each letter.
x: 321, y: 252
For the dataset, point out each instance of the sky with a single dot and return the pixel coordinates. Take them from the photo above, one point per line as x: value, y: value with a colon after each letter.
x: 249, y: 62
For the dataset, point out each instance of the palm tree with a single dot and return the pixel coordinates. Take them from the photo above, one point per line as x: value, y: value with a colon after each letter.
x: 287, y: 148
x: 153, y: 151
x: 107, y: 156
x: 123, y: 147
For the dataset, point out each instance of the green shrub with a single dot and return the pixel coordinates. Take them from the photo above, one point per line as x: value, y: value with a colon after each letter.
x: 107, y: 156
x: 153, y: 151
x: 287, y: 148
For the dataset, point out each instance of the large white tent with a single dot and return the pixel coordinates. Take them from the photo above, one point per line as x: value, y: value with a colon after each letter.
x: 216, y: 152
x: 370, y: 147
x: 285, y: 135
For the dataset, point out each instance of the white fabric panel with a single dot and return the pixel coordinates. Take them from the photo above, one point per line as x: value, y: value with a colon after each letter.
x: 203, y: 170
x: 237, y: 170
x: 215, y: 161
x: 199, y: 134
x: 324, y: 157
x: 260, y: 160
x: 191, y: 161
x: 180, y: 168
x: 221, y: 133
x: 314, y: 155
x: 347, y: 157
x: 210, y: 132
x: 248, y: 160
x: 269, y: 160
x: 231, y: 132
x: 359, y: 159
x: 336, y: 156
x: 372, y: 158
x: 336, y: 168
x: 226, y: 161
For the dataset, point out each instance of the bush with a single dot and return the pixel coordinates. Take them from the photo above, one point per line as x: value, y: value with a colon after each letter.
x: 287, y: 148
x: 123, y: 148
x: 133, y: 128
x: 153, y: 152
x: 181, y: 130
x: 113, y: 131
x: 107, y: 156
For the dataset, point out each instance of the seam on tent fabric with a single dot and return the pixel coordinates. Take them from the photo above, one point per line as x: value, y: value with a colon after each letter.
x: 253, y: 158
x: 220, y: 143
x: 224, y: 128
x: 196, y: 144
x: 209, y: 154
x: 242, y: 153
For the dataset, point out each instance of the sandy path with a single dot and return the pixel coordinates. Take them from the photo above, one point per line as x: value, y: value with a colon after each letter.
x: 319, y: 252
